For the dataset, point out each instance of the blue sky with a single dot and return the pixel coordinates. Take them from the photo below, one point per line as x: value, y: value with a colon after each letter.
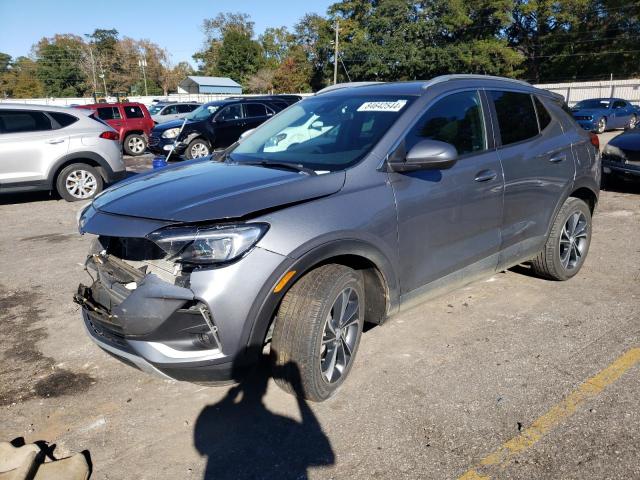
x: 174, y: 25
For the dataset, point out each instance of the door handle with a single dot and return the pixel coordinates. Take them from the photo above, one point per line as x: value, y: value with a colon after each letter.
x: 55, y: 140
x: 558, y: 158
x: 485, y: 176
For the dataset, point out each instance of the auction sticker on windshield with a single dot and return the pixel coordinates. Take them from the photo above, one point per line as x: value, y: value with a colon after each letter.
x: 382, y: 106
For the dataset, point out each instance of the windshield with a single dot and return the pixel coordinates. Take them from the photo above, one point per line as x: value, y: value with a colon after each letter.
x: 203, y: 112
x: 323, y: 133
x: 153, y: 109
x: 597, y: 104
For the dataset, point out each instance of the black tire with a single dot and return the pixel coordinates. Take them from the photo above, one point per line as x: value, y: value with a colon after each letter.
x: 297, y: 344
x: 134, y: 144
x: 72, y: 175
x: 549, y: 263
x: 602, y: 125
x: 194, y: 146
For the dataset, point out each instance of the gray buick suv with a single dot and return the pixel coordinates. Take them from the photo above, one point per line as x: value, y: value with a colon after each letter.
x: 344, y: 208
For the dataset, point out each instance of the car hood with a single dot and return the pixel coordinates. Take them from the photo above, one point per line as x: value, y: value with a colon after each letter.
x: 629, y: 140
x: 172, y: 124
x: 588, y: 111
x: 204, y: 190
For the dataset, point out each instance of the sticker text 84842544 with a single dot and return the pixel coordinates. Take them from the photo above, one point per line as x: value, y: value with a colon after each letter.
x: 382, y: 106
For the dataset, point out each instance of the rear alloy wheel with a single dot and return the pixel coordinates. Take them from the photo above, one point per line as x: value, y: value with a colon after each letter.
x: 568, y: 243
x: 198, y: 148
x: 78, y: 181
x: 317, y: 331
x: 134, y: 144
x: 602, y: 125
x: 633, y: 121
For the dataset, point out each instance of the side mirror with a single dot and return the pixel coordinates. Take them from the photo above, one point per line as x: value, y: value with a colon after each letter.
x: 246, y: 133
x: 426, y: 155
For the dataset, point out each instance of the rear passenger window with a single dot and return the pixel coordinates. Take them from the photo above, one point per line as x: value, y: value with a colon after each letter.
x: 63, y: 119
x: 186, y: 108
x: 456, y: 119
x: 516, y: 116
x: 109, y: 113
x: 544, y: 118
x: 133, y: 111
x: 19, y: 121
x: 232, y: 112
x: 255, y: 110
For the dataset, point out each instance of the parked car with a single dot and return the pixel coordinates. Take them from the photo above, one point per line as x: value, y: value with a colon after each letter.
x: 131, y: 120
x: 164, y: 112
x: 621, y: 157
x: 57, y: 148
x: 211, y: 126
x: 601, y: 114
x: 416, y: 186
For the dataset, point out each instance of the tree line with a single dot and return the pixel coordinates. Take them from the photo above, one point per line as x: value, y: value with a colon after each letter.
x: 536, y: 40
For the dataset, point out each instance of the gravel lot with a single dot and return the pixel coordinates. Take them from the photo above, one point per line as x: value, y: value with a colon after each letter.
x: 433, y: 391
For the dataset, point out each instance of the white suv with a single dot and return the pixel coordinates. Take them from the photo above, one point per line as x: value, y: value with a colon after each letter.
x: 57, y: 148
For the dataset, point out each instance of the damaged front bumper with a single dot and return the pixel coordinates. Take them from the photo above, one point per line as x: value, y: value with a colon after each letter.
x: 150, y: 323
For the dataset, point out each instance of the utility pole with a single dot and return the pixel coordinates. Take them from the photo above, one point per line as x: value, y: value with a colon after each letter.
x: 335, y: 55
x: 93, y: 71
x: 104, y: 82
x: 143, y: 63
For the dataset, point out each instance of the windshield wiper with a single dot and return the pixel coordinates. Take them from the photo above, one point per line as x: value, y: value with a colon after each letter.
x: 291, y: 166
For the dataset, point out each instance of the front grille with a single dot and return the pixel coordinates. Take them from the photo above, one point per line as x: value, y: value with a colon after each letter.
x: 153, y: 141
x: 134, y: 249
x: 582, y: 117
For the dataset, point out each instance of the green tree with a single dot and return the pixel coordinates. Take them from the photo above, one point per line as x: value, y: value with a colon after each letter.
x: 21, y: 80
x: 59, y: 66
x: 5, y: 61
x: 214, y: 30
x: 276, y: 43
x: 239, y: 57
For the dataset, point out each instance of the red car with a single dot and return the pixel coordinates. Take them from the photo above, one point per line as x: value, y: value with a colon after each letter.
x: 131, y: 120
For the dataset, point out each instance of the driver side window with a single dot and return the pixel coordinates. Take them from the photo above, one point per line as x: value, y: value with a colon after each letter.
x: 456, y: 119
x: 232, y: 112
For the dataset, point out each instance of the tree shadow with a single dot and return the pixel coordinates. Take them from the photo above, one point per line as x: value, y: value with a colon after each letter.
x: 242, y: 439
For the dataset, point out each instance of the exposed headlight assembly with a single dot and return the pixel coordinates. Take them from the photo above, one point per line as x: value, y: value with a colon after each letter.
x: 171, y: 133
x: 208, y: 245
x: 613, y: 151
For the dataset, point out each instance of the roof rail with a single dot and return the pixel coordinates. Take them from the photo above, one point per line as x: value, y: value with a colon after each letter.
x: 461, y: 76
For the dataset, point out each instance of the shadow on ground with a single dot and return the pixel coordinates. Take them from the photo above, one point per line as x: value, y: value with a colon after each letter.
x: 619, y: 185
x: 242, y: 439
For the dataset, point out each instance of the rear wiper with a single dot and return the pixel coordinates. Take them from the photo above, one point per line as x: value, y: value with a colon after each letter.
x: 291, y: 166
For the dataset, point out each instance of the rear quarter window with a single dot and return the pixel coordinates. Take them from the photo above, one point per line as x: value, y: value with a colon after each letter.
x: 516, y: 116
x: 544, y: 119
x: 63, y: 119
x: 109, y: 113
x: 20, y: 121
x: 133, y: 111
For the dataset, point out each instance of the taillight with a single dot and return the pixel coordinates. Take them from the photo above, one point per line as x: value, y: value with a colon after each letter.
x: 110, y: 135
x: 595, y: 141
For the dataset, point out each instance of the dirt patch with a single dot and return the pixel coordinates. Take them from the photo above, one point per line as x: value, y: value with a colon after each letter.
x: 23, y: 366
x: 62, y: 382
x: 51, y: 238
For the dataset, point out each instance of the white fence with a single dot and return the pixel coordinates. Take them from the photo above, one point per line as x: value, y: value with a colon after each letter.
x: 576, y: 91
x: 572, y: 92
x: 174, y: 97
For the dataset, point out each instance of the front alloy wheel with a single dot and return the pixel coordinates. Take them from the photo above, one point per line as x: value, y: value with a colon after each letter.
x: 602, y: 125
x: 340, y: 335
x: 317, y: 331
x: 197, y: 149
